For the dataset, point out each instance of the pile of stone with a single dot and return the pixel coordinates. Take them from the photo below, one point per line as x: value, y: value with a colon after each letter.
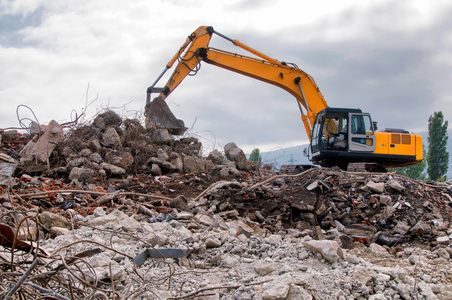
x: 227, y: 259
x: 110, y: 147
x: 100, y: 198
x: 384, y: 208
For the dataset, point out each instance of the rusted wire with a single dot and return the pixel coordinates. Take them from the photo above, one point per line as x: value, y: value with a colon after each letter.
x: 61, y: 277
x: 77, y: 279
x: 21, y: 280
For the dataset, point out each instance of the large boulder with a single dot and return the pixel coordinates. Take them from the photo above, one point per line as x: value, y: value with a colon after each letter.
x: 108, y: 118
x: 81, y: 174
x: 161, y: 135
x: 111, y: 138
x: 121, y: 159
x: 216, y: 157
x: 194, y: 164
x: 43, y: 147
x: 115, y: 170
x: 165, y: 166
x: 8, y: 166
x: 178, y: 163
x: 330, y: 250
x: 236, y: 155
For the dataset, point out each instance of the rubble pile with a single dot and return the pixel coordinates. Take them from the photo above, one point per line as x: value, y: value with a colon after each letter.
x: 111, y: 210
x: 110, y: 146
x: 388, y: 208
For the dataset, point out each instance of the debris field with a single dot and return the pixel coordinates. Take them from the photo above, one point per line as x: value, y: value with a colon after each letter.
x: 111, y: 210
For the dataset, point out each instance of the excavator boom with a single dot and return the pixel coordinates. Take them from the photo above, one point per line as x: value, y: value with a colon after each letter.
x: 195, y: 49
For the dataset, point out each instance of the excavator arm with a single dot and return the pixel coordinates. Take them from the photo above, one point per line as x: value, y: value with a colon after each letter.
x: 341, y: 137
x: 195, y: 49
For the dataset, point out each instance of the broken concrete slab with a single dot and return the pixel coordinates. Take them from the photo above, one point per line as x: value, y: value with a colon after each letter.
x: 81, y: 174
x: 111, y: 139
x: 42, y: 148
x: 393, y: 184
x: 330, y: 250
x: 376, y: 187
x: 8, y: 166
x: 236, y: 155
x: 194, y: 164
x: 161, y: 253
x: 216, y: 157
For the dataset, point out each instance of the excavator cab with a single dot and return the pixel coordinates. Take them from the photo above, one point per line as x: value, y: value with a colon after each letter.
x: 341, y: 136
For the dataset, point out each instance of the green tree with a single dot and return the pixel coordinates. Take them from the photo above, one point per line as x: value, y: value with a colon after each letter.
x: 416, y: 172
x: 437, y: 157
x: 256, y: 157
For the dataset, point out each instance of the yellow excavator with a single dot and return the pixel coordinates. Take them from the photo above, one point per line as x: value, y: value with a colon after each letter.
x: 342, y: 137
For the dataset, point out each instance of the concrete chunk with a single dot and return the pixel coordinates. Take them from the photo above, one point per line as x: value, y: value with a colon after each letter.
x: 378, y: 187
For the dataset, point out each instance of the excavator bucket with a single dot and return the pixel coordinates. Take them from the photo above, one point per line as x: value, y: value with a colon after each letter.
x: 159, y: 113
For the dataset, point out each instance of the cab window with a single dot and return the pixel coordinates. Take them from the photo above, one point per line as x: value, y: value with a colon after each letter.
x: 361, y: 125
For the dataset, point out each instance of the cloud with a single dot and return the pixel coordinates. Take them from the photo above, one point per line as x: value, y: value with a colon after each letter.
x: 392, y: 59
x: 362, y: 58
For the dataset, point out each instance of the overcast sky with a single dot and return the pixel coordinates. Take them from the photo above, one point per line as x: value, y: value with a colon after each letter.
x: 390, y: 58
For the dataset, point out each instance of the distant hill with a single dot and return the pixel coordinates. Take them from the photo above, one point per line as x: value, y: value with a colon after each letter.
x: 285, y: 156
x: 294, y: 155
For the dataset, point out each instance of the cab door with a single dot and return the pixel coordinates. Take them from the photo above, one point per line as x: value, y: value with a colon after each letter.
x: 361, y: 136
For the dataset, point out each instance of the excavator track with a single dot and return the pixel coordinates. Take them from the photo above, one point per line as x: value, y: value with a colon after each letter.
x: 293, y: 169
x: 365, y: 167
